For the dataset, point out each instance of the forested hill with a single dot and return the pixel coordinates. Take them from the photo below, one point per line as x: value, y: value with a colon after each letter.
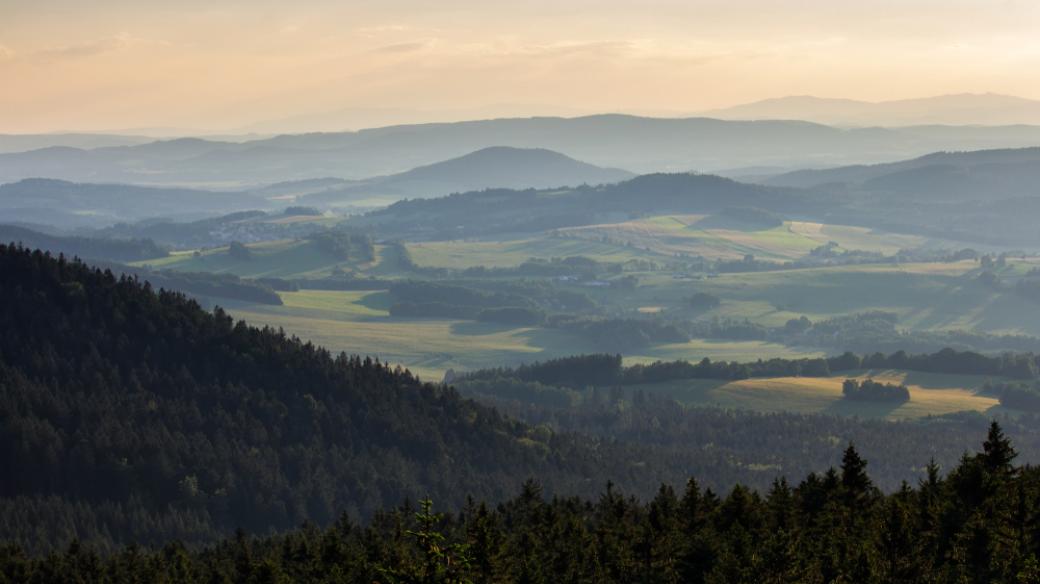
x: 131, y: 415
x: 496, y: 211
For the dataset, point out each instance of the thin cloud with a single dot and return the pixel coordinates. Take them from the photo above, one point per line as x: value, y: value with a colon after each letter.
x: 6, y: 53
x: 96, y: 47
x: 567, y: 48
x: 409, y: 47
x: 382, y: 29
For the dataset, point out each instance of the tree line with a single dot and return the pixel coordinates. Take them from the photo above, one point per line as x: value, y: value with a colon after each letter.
x: 977, y: 523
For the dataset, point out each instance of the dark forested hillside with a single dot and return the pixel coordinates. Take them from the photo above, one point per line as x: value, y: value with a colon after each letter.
x: 974, y: 524
x: 131, y: 415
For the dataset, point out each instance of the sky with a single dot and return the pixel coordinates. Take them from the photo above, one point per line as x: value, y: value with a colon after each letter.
x: 233, y: 66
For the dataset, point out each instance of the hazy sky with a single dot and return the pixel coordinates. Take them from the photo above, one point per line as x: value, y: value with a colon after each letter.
x: 224, y: 65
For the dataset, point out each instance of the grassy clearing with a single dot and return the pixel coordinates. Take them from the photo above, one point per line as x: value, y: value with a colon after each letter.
x: 930, y: 394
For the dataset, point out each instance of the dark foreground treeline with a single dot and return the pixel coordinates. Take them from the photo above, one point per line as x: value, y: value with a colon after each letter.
x: 980, y: 523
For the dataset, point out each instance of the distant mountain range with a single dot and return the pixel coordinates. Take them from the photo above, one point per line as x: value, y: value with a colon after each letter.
x: 989, y: 196
x: 985, y: 197
x: 638, y: 144
x: 10, y: 143
x: 68, y: 205
x: 961, y: 109
x: 494, y: 167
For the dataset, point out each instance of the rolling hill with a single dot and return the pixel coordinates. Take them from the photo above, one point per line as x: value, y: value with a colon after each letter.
x: 66, y: 204
x: 986, y: 196
x: 982, y: 174
x: 493, y: 167
x: 501, y: 211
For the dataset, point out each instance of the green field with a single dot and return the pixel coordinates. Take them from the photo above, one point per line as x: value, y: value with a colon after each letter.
x: 930, y: 394
x: 358, y: 322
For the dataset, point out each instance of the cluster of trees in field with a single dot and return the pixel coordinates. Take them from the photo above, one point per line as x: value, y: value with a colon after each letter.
x: 703, y: 301
x: 620, y: 334
x: 239, y: 251
x: 975, y: 523
x: 523, y: 303
x: 869, y: 390
x: 344, y: 245
x: 416, y: 298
